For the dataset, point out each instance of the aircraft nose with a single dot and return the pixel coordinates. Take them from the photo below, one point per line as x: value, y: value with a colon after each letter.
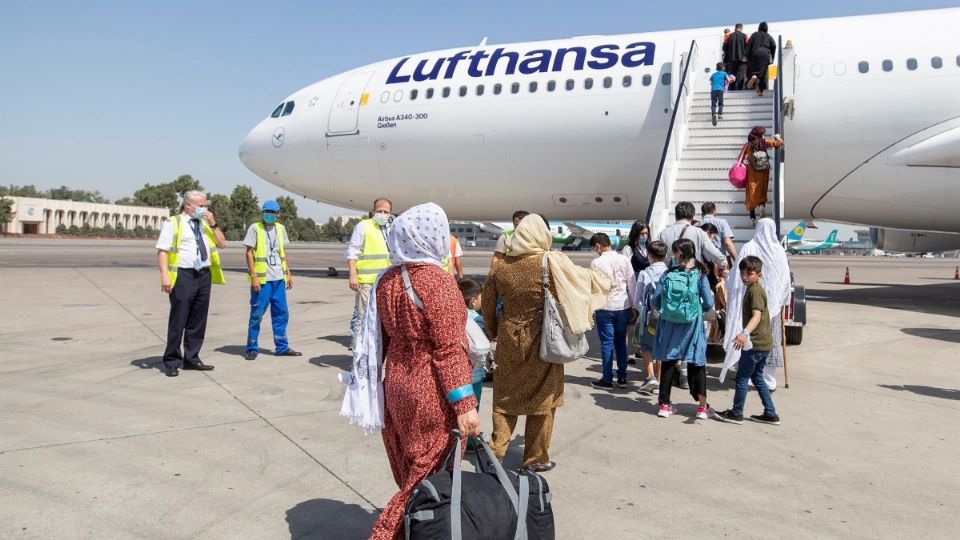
x: 258, y: 151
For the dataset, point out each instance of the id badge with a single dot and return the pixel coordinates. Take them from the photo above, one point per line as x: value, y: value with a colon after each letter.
x: 272, y: 260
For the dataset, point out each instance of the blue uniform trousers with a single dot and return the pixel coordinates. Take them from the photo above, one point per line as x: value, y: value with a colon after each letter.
x: 274, y: 295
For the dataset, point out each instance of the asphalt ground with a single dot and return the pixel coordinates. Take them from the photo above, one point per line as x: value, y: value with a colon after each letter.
x: 96, y: 443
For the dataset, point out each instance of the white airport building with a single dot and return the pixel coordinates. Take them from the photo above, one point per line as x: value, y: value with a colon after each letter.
x: 43, y: 216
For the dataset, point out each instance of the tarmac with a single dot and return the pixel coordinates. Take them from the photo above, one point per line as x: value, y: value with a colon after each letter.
x: 95, y: 442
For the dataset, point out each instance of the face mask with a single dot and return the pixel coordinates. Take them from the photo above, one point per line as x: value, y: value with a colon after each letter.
x: 269, y: 218
x: 381, y: 218
x: 199, y: 211
x: 642, y: 240
x: 674, y: 261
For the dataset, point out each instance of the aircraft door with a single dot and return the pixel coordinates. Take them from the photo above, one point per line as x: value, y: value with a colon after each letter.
x: 345, y: 110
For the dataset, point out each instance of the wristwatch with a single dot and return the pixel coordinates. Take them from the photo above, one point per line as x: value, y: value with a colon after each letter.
x: 214, y: 226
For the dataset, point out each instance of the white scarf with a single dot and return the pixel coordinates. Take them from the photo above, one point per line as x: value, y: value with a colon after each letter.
x: 420, y: 235
x: 775, y: 282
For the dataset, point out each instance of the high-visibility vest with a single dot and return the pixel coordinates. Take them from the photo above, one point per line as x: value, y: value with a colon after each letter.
x: 260, y: 253
x: 506, y: 249
x: 453, y: 248
x: 173, y: 256
x: 375, y: 257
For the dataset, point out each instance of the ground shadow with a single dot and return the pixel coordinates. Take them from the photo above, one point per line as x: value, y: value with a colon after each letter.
x: 346, y: 341
x: 341, y: 361
x: 325, y: 518
x: 513, y: 459
x: 941, y: 334
x: 150, y: 362
x: 943, y: 393
x: 933, y: 298
x: 235, y: 350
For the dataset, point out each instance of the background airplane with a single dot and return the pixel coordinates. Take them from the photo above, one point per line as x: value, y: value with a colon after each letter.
x: 815, y: 246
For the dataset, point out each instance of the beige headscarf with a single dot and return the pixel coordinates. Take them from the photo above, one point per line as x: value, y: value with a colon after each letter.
x: 580, y: 291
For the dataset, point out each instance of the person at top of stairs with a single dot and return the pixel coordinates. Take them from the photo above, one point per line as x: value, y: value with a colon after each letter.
x: 758, y: 170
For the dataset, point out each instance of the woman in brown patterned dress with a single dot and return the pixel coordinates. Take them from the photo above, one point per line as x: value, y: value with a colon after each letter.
x: 523, y: 384
x: 427, y: 389
x: 758, y: 181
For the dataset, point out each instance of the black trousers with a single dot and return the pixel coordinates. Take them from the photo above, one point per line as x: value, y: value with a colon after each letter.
x: 189, y: 303
x: 696, y: 377
x: 716, y: 101
x: 740, y: 70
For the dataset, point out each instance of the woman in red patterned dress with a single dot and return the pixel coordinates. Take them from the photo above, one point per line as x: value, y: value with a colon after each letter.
x: 427, y: 388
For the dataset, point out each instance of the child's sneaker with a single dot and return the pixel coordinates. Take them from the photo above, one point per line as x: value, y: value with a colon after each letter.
x: 650, y: 386
x: 773, y: 420
x: 702, y: 413
x: 729, y: 417
x: 714, y: 120
x: 665, y: 411
x: 622, y: 382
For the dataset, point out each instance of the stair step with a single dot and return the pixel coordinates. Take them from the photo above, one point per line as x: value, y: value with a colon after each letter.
x: 695, y: 155
x: 718, y: 185
x: 734, y: 98
x: 728, y: 123
x: 764, y: 120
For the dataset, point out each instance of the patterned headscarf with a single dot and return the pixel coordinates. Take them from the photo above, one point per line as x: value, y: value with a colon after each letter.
x: 420, y: 235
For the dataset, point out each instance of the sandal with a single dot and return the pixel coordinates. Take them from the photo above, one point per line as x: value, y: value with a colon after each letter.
x: 541, y: 467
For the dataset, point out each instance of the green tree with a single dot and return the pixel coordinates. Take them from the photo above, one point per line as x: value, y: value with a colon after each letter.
x: 185, y: 183
x: 244, y: 207
x: 307, y: 230
x: 63, y: 193
x: 288, y: 217
x: 125, y: 201
x: 166, y: 195
x: 6, y: 210
x: 220, y: 206
x: 24, y: 191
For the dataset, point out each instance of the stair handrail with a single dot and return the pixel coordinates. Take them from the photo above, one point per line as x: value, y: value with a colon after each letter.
x: 681, y: 90
x: 778, y: 128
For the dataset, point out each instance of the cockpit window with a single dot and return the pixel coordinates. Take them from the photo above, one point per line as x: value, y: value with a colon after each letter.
x: 288, y: 109
x: 276, y: 112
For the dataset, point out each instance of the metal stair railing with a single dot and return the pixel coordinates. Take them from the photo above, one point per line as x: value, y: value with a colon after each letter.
x: 660, y: 197
x: 778, y: 154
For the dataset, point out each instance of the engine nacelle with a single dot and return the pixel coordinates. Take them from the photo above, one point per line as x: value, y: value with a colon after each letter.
x: 913, y: 241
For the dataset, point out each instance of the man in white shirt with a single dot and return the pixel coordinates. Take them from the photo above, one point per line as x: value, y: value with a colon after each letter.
x: 683, y: 228
x: 367, y: 256
x: 725, y: 239
x: 501, y: 248
x: 189, y: 263
x: 612, y: 320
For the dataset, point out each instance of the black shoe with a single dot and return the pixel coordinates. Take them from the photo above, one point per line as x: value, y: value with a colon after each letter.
x: 250, y: 355
x: 600, y: 383
x: 714, y: 120
x: 173, y: 372
x: 197, y: 366
x: 541, y: 467
x: 622, y: 382
x: 773, y: 420
x: 720, y: 117
x: 290, y: 352
x: 729, y: 417
x: 631, y: 361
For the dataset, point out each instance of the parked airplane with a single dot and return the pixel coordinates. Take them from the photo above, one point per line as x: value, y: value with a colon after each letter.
x: 576, y: 127
x: 815, y: 246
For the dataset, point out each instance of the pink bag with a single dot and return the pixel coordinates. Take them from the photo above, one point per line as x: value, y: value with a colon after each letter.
x: 738, y: 173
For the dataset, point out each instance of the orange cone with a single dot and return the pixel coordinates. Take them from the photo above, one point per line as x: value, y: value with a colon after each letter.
x: 956, y: 275
x: 846, y: 277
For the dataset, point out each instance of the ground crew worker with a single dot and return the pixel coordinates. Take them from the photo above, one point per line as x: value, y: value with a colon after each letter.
x: 367, y: 256
x: 501, y: 248
x: 270, y: 279
x: 189, y: 263
x: 452, y: 263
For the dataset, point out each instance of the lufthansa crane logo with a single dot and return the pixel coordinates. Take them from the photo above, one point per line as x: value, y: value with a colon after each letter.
x: 278, y: 136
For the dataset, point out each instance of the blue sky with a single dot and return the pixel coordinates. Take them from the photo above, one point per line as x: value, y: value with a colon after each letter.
x: 110, y: 95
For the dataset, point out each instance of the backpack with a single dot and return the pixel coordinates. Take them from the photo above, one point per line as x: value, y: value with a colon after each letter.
x: 759, y: 160
x: 680, y: 301
x: 477, y: 346
x: 485, y: 504
x: 647, y: 314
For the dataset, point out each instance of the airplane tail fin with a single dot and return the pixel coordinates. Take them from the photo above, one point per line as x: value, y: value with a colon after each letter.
x: 796, y: 234
x: 833, y: 237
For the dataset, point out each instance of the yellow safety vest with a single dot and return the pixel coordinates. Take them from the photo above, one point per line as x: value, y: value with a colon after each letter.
x: 260, y: 252
x: 447, y: 259
x: 375, y: 257
x: 173, y: 256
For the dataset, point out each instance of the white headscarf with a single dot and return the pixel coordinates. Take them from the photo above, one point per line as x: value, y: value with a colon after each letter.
x: 421, y: 235
x: 775, y: 282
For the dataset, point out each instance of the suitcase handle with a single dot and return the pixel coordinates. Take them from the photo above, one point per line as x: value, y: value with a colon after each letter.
x: 456, y: 495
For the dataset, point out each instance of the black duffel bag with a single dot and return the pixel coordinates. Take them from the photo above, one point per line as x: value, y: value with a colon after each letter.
x: 482, y: 505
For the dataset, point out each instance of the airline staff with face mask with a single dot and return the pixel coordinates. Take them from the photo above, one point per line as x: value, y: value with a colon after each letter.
x: 189, y: 263
x: 270, y: 278
x: 367, y: 256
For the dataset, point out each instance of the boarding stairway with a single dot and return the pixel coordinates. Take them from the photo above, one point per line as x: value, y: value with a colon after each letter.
x: 697, y: 155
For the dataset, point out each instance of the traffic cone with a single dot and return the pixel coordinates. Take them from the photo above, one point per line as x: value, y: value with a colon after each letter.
x: 846, y: 277
x: 956, y: 275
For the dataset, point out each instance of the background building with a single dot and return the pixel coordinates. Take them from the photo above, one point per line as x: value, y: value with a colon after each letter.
x: 43, y: 216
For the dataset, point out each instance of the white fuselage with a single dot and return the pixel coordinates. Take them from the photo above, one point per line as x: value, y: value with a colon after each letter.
x: 879, y: 148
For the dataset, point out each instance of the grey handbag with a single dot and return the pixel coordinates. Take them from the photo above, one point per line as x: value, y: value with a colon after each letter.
x: 558, y: 344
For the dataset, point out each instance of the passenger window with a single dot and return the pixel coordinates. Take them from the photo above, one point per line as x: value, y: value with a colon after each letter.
x: 276, y: 112
x: 497, y: 88
x: 385, y: 97
x: 288, y: 109
x: 911, y: 64
x: 936, y: 62
x: 533, y: 86
x: 429, y: 93
x: 479, y: 89
x: 627, y: 81
x: 588, y: 83
x: 607, y: 82
x: 413, y: 94
x: 569, y: 84
x: 666, y: 78
x: 863, y: 67
x: 463, y: 91
x: 646, y: 80
x: 958, y: 60
x: 398, y: 95
x: 445, y: 92
x: 887, y: 65
x: 839, y: 69
x: 514, y: 88
x: 551, y: 86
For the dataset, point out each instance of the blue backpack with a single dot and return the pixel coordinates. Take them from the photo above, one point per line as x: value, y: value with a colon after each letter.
x: 680, y: 301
